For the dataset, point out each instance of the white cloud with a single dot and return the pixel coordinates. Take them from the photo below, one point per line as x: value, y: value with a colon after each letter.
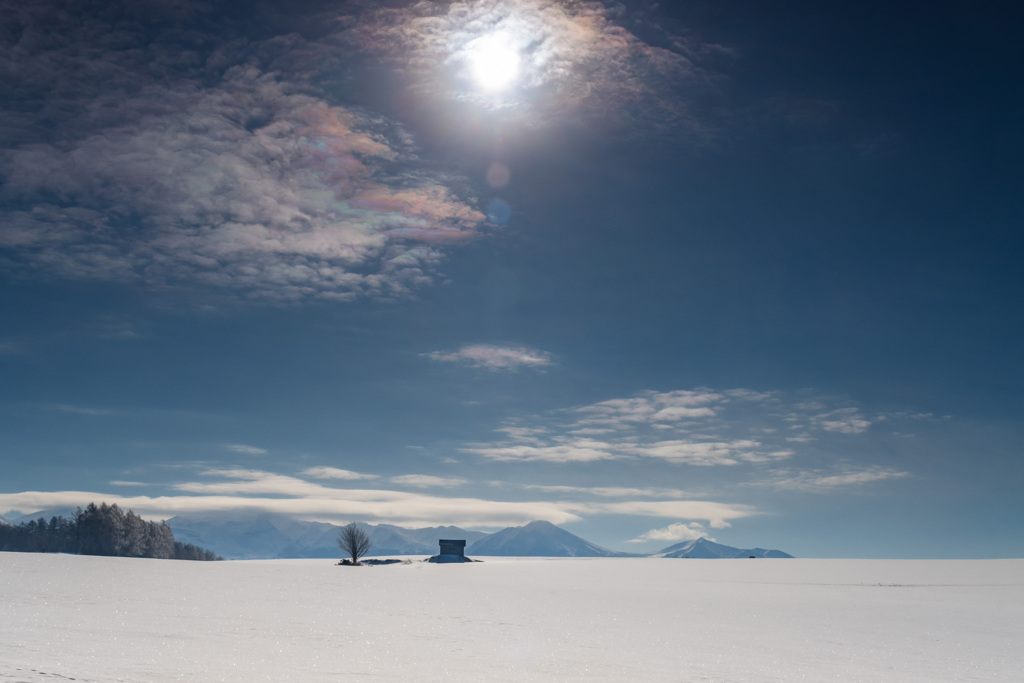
x: 852, y: 478
x: 217, y: 490
x: 843, y: 420
x: 651, y: 406
x: 579, y: 450
x: 392, y: 507
x: 335, y: 473
x: 255, y: 482
x: 709, y: 453
x: 494, y: 357
x: 697, y: 427
x: 749, y: 395
x: 912, y: 415
x: 674, y: 533
x: 244, y: 449
x: 522, y: 433
x: 688, y: 452
x: 820, y: 482
x: 611, y: 491
x: 427, y: 481
x: 588, y: 431
x: 674, y: 413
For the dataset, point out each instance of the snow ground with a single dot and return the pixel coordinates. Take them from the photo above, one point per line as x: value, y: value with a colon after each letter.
x: 67, y: 617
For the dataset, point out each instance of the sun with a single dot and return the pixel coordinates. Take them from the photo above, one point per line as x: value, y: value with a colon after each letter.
x: 493, y: 61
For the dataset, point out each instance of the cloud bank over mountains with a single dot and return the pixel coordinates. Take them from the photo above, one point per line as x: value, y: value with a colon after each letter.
x: 261, y: 491
x: 685, y: 431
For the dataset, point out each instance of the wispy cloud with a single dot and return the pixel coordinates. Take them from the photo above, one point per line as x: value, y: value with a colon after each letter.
x: 492, y: 357
x: 244, y: 449
x: 427, y: 481
x: 844, y: 421
x: 819, y: 481
x: 577, y: 450
x: 611, y: 491
x: 169, y: 414
x: 695, y: 427
x: 709, y: 453
x: 652, y: 407
x: 80, y: 410
x: 335, y: 473
x: 705, y: 453
x: 625, y: 429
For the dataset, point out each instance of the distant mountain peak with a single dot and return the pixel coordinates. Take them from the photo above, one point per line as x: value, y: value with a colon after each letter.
x: 539, y: 538
x: 702, y: 548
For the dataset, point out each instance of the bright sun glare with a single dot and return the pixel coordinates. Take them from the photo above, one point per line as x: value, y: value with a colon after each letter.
x: 494, y: 62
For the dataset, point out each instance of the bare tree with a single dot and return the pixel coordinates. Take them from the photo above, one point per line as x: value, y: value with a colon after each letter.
x: 354, y: 541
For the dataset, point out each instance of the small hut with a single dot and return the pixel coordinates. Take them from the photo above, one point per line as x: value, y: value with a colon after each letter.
x: 451, y: 551
x: 450, y: 547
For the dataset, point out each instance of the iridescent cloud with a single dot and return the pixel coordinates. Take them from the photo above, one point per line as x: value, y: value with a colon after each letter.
x: 130, y: 160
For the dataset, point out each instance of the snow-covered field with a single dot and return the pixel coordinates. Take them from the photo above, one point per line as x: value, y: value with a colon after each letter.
x: 112, y: 619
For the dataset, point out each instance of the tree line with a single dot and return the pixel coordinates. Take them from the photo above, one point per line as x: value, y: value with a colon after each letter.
x: 100, y: 530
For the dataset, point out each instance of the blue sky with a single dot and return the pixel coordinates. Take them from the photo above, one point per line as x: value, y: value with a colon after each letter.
x: 648, y: 272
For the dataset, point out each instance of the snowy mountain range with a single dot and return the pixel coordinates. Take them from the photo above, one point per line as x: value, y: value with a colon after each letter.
x: 262, y: 536
x: 250, y: 536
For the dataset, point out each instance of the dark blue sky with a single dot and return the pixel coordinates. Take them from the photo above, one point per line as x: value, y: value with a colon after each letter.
x: 648, y: 272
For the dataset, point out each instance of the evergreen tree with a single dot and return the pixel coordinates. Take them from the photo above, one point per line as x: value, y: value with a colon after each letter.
x: 100, y: 530
x: 159, y: 541
x: 134, y: 536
